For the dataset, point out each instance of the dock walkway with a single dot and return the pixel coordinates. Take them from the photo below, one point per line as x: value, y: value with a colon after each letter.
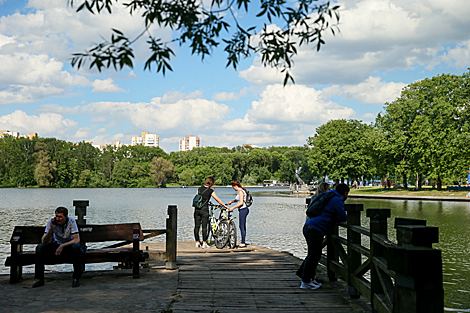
x: 253, y: 279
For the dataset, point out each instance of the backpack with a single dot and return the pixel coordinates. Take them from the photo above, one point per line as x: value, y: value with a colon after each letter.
x: 317, y: 204
x: 249, y: 199
x: 198, y: 203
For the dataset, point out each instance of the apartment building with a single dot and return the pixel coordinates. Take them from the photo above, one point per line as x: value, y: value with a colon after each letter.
x: 149, y: 140
x: 17, y: 134
x: 189, y: 142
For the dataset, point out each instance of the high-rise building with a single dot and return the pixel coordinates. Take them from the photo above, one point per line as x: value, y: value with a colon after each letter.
x: 7, y: 132
x: 149, y: 140
x: 189, y: 142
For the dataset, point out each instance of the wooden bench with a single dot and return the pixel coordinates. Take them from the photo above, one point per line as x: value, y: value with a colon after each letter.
x: 129, y: 233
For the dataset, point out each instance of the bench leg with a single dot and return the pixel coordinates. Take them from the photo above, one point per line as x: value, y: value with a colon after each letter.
x: 16, y: 272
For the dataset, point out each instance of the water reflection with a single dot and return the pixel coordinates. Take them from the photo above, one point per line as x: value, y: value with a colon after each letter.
x: 275, y: 221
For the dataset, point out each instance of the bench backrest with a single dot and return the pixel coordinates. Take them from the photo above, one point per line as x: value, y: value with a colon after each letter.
x: 88, y: 233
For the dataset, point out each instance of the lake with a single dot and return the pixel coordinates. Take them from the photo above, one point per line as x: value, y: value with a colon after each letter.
x: 275, y: 221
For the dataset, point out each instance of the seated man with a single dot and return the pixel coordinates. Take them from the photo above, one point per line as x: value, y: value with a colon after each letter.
x: 60, y: 240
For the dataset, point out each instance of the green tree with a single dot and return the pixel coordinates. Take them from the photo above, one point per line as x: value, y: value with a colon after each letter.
x: 44, y: 167
x: 339, y: 149
x: 427, y: 127
x: 160, y: 170
x: 205, y: 26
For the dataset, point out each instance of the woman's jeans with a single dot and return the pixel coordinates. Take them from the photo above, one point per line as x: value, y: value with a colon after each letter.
x: 201, y: 216
x: 314, y: 240
x: 242, y: 224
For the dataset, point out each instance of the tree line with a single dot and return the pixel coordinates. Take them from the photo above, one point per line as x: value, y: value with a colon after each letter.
x: 50, y: 162
x: 423, y: 135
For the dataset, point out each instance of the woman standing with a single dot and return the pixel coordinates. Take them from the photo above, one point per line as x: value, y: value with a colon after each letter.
x: 201, y: 216
x: 242, y: 209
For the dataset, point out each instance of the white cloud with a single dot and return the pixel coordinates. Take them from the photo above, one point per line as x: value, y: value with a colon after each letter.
x: 182, y: 116
x: 460, y: 55
x: 378, y: 35
x: 27, y: 78
x: 55, y: 108
x: 99, y: 119
x: 82, y: 133
x: 229, y: 96
x: 106, y: 85
x: 295, y: 104
x: 46, y: 124
x: 175, y: 96
x: 371, y: 91
x: 101, y: 130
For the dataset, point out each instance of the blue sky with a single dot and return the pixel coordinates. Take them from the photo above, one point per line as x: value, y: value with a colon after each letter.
x: 383, y: 46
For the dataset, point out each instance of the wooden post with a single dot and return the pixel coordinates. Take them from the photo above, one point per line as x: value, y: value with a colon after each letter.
x: 80, y: 210
x: 378, y: 226
x: 354, y: 238
x: 135, y: 251
x: 171, y: 237
x: 16, y: 270
x: 418, y: 279
x: 331, y: 255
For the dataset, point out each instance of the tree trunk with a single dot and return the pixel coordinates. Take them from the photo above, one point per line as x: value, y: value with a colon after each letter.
x: 420, y: 183
x: 439, y: 182
x: 405, y: 182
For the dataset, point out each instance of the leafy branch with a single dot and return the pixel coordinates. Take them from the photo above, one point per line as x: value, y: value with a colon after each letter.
x: 203, y: 28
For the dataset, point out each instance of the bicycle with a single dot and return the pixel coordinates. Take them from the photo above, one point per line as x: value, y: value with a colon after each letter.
x: 222, y: 229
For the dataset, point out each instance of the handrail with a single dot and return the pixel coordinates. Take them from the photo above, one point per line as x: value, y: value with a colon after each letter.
x: 405, y: 276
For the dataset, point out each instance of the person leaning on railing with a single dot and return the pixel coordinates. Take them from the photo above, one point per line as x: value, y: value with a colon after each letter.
x: 315, y: 229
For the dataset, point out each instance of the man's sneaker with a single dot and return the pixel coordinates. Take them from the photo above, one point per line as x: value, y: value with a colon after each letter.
x: 75, y: 283
x: 198, y: 244
x: 309, y: 285
x: 39, y: 283
x: 205, y: 245
x: 316, y: 281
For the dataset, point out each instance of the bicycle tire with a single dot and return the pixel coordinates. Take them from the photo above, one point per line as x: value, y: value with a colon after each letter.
x: 222, y: 235
x: 232, y: 236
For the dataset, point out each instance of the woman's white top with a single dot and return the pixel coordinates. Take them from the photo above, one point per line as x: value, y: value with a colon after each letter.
x: 244, y: 199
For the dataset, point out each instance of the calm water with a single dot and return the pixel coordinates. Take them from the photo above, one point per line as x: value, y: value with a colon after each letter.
x: 275, y: 221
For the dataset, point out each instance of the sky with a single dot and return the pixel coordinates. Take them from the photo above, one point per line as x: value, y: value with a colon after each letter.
x: 382, y: 46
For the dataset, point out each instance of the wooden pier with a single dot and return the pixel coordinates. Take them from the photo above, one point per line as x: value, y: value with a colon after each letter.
x: 254, y: 279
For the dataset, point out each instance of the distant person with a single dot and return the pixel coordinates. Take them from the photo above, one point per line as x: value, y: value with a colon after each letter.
x: 323, y: 187
x: 315, y: 229
x: 468, y: 195
x: 201, y: 216
x: 60, y: 240
x: 242, y: 209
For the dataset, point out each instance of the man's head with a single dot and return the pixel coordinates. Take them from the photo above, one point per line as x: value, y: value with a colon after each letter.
x: 61, y: 214
x: 210, y: 181
x: 343, y: 190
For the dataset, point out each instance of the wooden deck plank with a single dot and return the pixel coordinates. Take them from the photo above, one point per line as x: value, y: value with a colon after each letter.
x: 260, y: 280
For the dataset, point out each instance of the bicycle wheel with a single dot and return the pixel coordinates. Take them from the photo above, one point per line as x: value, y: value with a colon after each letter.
x: 221, y: 235
x: 232, y: 235
x: 211, y: 228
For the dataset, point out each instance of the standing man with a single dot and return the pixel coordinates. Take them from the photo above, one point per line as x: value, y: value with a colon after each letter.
x: 60, y: 240
x: 315, y: 229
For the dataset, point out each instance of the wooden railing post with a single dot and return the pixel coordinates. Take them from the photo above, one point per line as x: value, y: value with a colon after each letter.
x: 332, y: 254
x: 135, y: 251
x: 378, y: 226
x: 80, y: 210
x: 418, y: 268
x: 354, y: 238
x: 171, y: 237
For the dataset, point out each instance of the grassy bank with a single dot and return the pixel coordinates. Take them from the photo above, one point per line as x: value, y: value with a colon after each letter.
x: 426, y: 191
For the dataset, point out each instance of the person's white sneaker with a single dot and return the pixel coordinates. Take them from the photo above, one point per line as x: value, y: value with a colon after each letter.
x: 205, y: 245
x: 309, y: 286
x: 315, y: 282
x: 198, y: 244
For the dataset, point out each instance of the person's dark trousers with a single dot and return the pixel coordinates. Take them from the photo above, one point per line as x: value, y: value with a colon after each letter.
x: 201, y: 217
x: 45, y: 253
x: 242, y: 222
x: 314, y: 240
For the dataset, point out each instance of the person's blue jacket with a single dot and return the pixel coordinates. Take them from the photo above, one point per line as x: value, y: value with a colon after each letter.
x: 332, y: 214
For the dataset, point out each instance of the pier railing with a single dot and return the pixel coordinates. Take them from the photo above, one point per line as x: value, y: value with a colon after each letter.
x: 169, y: 255
x: 405, y: 276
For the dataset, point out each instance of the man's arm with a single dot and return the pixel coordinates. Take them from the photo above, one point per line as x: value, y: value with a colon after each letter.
x: 75, y: 239
x: 47, y: 237
x: 339, y: 207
